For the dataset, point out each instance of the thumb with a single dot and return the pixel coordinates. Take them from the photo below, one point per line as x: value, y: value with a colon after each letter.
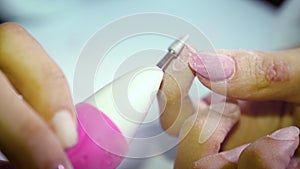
x: 251, y: 75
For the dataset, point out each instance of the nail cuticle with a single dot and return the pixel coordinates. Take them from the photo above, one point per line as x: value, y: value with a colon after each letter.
x: 233, y: 155
x: 285, y: 134
x: 282, y: 139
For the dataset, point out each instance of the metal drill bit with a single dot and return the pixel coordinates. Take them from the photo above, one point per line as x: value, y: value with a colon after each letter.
x: 173, y: 52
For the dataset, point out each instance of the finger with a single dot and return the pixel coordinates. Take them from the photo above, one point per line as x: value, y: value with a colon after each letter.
x: 226, y: 159
x: 38, y: 79
x: 191, y: 147
x: 263, y: 75
x: 26, y: 139
x: 174, y: 101
x: 258, y: 119
x: 269, y: 152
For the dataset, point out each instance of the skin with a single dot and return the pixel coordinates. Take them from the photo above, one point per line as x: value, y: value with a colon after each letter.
x: 27, y: 131
x: 177, y: 81
x: 32, y: 90
x: 265, y: 88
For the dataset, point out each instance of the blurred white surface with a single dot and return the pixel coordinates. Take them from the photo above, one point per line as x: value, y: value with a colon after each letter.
x: 63, y: 27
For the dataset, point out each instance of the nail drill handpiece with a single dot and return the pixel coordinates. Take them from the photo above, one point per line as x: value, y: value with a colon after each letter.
x: 173, y: 52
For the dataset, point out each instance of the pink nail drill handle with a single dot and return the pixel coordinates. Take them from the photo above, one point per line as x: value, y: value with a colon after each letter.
x: 100, y: 142
x: 102, y: 129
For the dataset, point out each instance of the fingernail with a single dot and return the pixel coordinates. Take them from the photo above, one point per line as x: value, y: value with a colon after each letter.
x: 288, y: 133
x: 234, y: 154
x: 65, y: 128
x: 214, y: 67
x: 62, y: 166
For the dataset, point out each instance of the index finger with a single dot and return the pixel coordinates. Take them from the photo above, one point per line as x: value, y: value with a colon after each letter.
x: 174, y: 101
x: 38, y: 79
x: 263, y: 75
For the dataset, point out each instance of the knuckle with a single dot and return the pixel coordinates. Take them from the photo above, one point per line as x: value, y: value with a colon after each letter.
x: 265, y: 69
x: 259, y: 71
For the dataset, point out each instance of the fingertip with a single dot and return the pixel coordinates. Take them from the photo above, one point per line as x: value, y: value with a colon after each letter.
x: 11, y: 26
x: 226, y: 159
x: 273, y: 151
x: 288, y: 133
x: 216, y: 161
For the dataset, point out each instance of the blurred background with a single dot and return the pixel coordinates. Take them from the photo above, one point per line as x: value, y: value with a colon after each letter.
x: 63, y: 28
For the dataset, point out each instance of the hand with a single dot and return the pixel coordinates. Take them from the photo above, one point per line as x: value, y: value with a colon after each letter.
x: 37, y: 117
x: 262, y: 90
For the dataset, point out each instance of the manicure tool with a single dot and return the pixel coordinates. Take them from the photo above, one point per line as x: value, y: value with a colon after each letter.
x: 108, y: 120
